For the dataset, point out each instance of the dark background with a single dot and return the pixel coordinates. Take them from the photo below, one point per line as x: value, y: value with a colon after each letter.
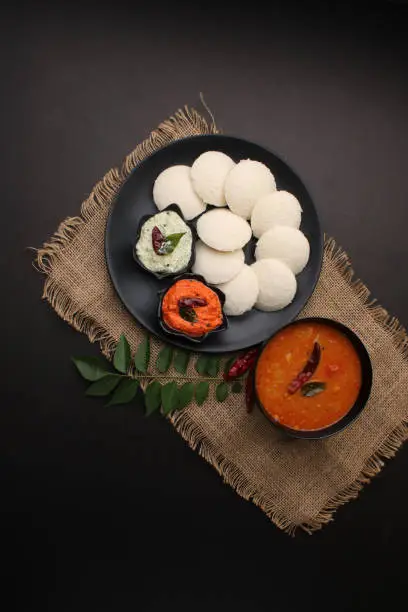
x: 104, y: 509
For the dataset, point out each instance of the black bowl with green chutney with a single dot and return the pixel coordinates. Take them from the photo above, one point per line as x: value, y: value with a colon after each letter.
x: 166, y: 274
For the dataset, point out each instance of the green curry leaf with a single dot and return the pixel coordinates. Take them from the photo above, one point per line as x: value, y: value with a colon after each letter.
x: 170, y: 243
x: 153, y: 397
x: 124, y: 392
x: 201, y: 392
x: 104, y: 386
x: 213, y: 366
x: 142, y: 356
x: 201, y: 364
x: 221, y: 391
x: 91, y: 368
x: 186, y: 394
x: 122, y: 357
x: 169, y: 397
x: 164, y: 359
x: 181, y: 361
x: 312, y: 388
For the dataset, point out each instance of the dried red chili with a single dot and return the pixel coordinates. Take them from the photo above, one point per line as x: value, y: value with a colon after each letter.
x: 308, y: 370
x: 193, y: 302
x: 249, y: 391
x: 157, y: 239
x: 242, y: 364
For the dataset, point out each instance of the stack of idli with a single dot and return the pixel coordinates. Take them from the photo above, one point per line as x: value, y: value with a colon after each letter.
x: 220, y: 258
x: 208, y: 175
x: 282, y: 250
x: 275, y: 208
x: 287, y: 244
x: 241, y: 292
x: 245, y: 183
x: 245, y: 202
x: 193, y: 188
x: 217, y: 266
x: 174, y: 186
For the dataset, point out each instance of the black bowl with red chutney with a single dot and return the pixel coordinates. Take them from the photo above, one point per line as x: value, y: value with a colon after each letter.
x: 191, y: 308
x: 313, y: 378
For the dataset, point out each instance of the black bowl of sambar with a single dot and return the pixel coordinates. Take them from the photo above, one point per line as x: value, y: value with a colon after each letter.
x: 313, y: 378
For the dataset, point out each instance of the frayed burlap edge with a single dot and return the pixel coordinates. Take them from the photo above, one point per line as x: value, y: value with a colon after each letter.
x: 232, y: 475
x: 184, y: 123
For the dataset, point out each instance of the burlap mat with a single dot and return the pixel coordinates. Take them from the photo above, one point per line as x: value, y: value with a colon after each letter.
x: 296, y: 483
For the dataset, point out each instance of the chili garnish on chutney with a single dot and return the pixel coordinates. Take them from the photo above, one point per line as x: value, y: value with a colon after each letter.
x: 308, y: 376
x: 190, y: 307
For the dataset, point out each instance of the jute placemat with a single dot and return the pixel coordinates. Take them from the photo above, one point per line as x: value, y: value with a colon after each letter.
x: 296, y: 483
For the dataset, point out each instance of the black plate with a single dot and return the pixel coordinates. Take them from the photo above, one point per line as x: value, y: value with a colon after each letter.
x: 139, y: 289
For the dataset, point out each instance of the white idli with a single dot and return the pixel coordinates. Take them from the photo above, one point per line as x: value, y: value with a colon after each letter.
x: 241, y: 292
x: 220, y: 229
x: 287, y: 244
x: 208, y: 174
x: 277, y: 284
x: 275, y: 208
x: 174, y: 186
x: 246, y: 183
x: 217, y: 266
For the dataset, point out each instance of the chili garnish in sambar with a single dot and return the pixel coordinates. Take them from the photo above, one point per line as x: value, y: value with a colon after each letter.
x: 191, y: 307
x: 308, y: 376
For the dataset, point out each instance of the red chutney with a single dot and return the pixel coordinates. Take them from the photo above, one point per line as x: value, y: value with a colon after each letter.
x: 285, y: 356
x: 206, y: 318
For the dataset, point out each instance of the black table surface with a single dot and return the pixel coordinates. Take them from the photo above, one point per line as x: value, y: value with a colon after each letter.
x: 103, y: 509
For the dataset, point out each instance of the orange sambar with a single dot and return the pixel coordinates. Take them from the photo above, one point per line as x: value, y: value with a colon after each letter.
x: 285, y: 356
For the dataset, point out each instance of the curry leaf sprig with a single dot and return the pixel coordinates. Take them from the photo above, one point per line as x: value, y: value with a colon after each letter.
x: 134, y: 373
